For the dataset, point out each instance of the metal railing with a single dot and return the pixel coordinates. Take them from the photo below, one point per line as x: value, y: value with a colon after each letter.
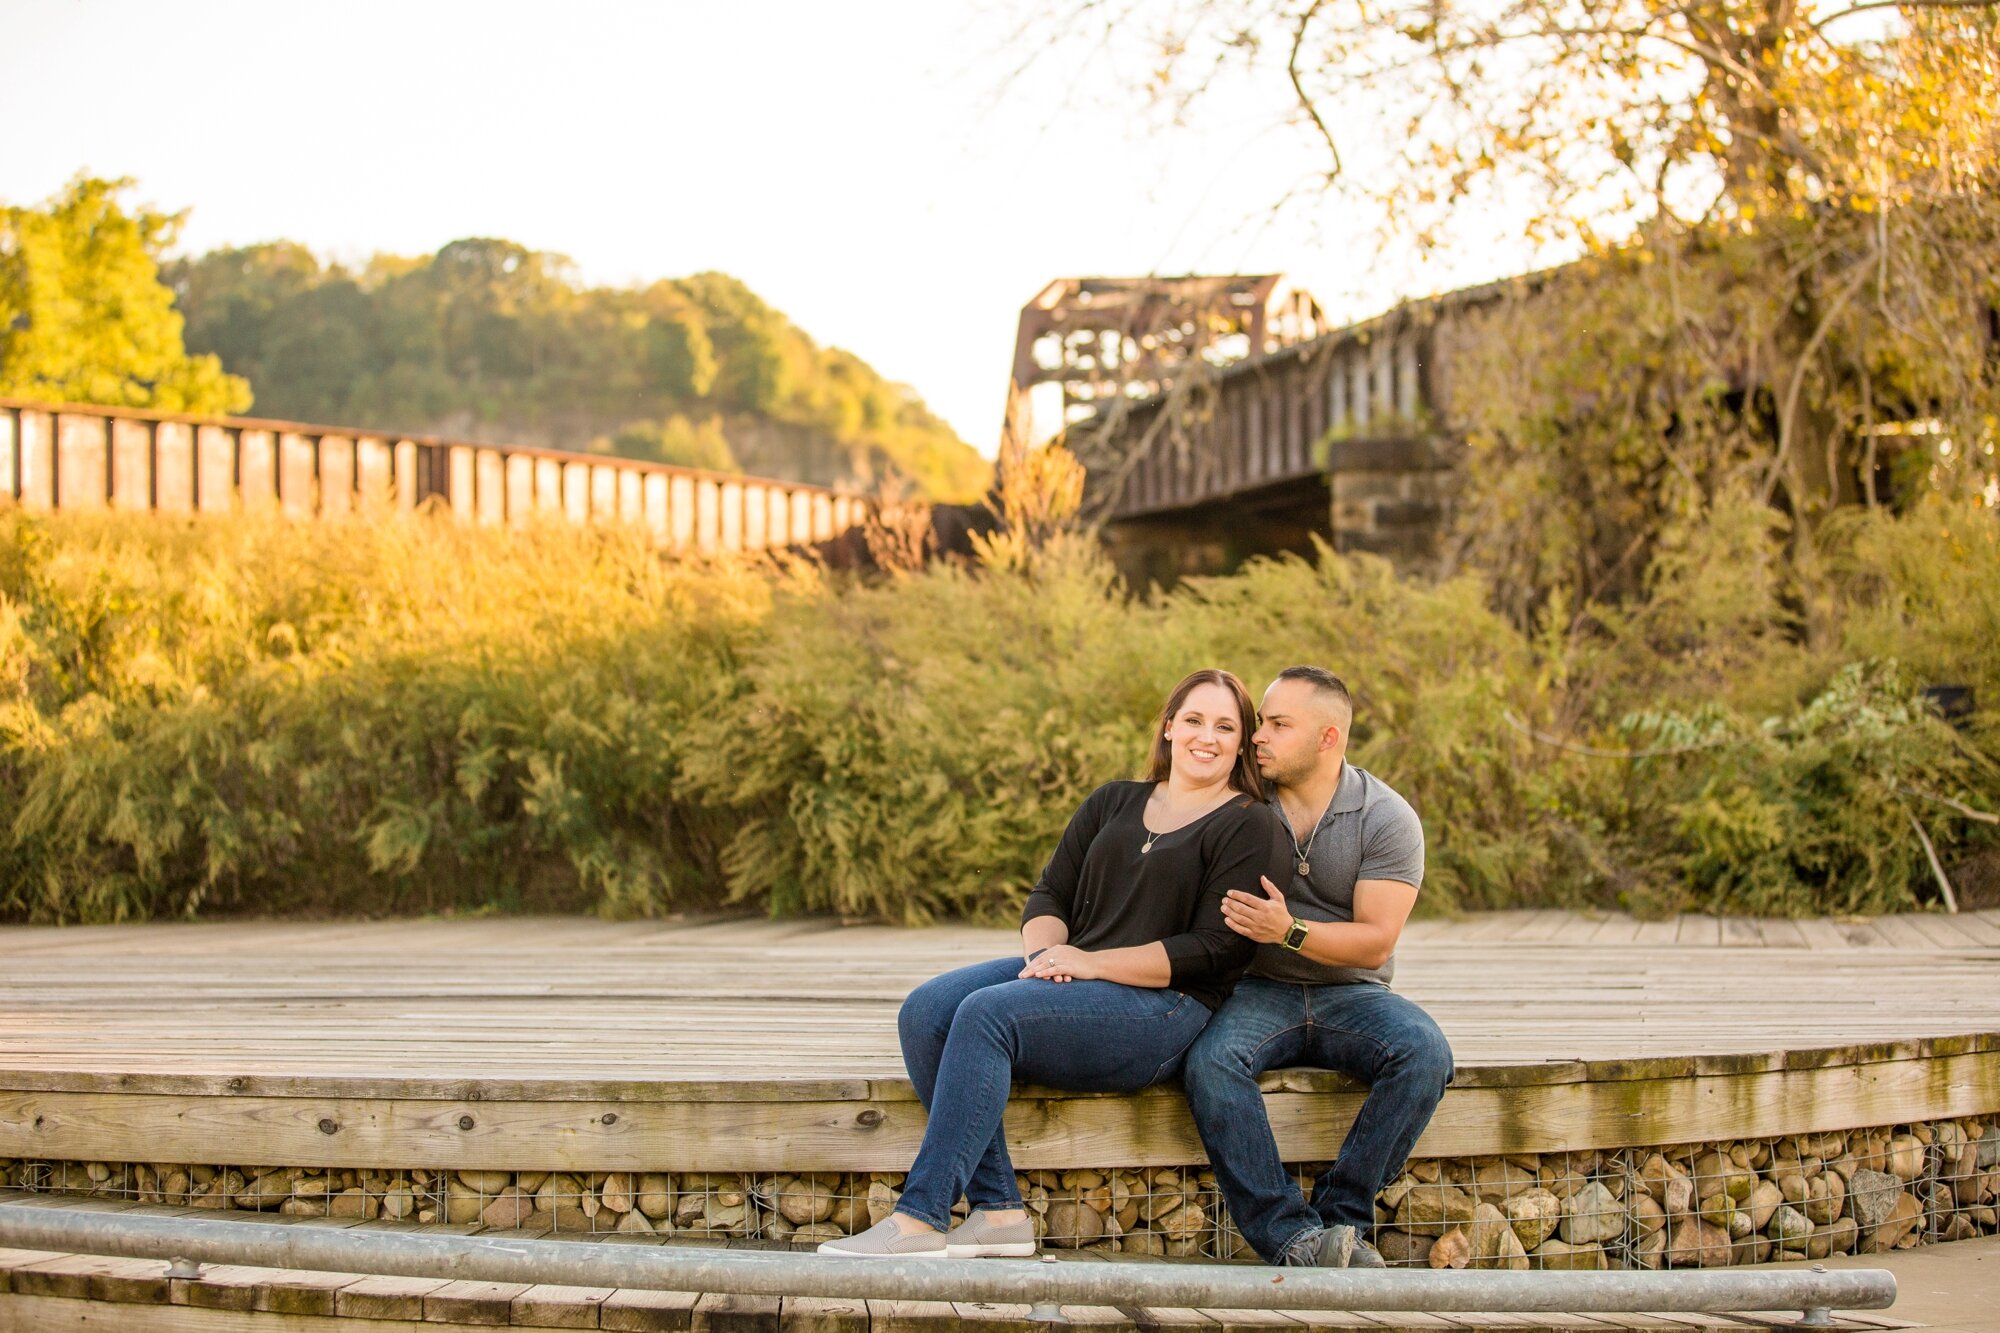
x: 1044, y: 1285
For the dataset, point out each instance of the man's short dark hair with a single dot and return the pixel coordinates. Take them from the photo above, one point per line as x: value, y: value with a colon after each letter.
x: 1323, y: 680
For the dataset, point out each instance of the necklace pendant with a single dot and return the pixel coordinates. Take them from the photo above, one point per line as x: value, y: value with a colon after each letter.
x: 1145, y: 846
x: 1305, y: 868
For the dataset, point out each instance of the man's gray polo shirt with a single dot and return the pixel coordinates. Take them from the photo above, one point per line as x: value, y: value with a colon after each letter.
x: 1369, y: 832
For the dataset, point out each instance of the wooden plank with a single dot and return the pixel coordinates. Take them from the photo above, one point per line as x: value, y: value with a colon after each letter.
x: 910, y: 1316
x: 1059, y: 1132
x: 1899, y: 933
x: 559, y: 1307
x: 91, y: 1277
x: 1697, y: 929
x: 385, y: 1297
x: 818, y: 1314
x: 1980, y: 928
x: 472, y: 1302
x: 986, y: 1317
x: 1943, y: 931
x: 10, y: 1259
x: 1741, y: 932
x: 49, y: 1314
x: 646, y: 1311
x: 717, y: 1313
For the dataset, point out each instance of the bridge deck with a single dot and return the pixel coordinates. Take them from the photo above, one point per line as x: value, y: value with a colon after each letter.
x: 719, y: 1044
x: 528, y: 1001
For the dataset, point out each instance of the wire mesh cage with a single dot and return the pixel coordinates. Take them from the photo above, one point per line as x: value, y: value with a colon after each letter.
x: 1672, y: 1206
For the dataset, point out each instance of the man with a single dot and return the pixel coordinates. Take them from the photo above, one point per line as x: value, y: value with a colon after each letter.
x: 1318, y: 992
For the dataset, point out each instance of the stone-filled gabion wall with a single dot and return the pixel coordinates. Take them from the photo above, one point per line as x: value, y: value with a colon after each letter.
x: 1713, y: 1204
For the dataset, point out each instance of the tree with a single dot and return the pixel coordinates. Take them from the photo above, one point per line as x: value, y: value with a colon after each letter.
x: 492, y: 339
x: 84, y: 317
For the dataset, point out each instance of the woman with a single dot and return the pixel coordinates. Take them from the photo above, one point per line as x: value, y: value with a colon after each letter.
x: 1125, y: 956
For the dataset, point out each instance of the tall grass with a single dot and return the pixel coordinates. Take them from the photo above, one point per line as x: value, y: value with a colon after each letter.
x: 244, y: 715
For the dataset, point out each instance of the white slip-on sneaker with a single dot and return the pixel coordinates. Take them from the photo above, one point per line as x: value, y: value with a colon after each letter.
x: 885, y: 1241
x: 978, y: 1238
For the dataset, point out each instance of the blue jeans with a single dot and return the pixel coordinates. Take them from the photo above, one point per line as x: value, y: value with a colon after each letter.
x: 1363, y: 1030
x: 968, y: 1034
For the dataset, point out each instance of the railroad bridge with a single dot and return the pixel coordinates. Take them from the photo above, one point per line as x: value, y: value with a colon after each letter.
x: 1221, y: 418
x: 88, y: 458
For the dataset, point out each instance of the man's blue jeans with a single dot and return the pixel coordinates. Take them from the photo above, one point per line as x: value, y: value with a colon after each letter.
x: 968, y: 1034
x: 1363, y: 1030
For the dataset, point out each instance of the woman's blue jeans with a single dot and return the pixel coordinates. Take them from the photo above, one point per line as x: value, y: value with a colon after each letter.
x: 968, y: 1034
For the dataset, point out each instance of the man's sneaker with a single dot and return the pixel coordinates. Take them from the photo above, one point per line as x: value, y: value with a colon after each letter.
x: 885, y: 1241
x: 978, y: 1238
x: 1333, y: 1247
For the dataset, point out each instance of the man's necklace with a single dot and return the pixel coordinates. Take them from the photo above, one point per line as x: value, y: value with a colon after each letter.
x: 1305, y: 853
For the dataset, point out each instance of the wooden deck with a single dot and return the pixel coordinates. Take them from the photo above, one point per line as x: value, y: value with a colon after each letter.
x: 756, y: 1045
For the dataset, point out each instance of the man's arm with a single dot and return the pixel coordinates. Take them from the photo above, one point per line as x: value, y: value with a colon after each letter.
x: 1381, y: 906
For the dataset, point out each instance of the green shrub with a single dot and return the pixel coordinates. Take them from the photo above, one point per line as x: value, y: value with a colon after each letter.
x: 411, y: 715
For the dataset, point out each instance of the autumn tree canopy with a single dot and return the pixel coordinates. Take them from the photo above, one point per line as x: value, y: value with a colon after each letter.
x: 1788, y: 224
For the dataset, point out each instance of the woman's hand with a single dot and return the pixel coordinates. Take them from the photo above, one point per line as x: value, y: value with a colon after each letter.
x: 1063, y: 962
x: 1265, y: 920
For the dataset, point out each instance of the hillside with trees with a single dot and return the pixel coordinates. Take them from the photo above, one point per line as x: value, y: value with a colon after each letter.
x: 489, y: 340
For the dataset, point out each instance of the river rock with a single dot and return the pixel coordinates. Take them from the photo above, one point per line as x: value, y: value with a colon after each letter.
x: 1872, y: 1196
x: 803, y: 1200
x: 303, y: 1208
x: 1500, y: 1179
x: 508, y: 1210
x: 1562, y: 1256
x: 1432, y: 1210
x: 1647, y: 1214
x: 1494, y: 1244
x: 356, y: 1203
x: 1186, y: 1223
x: 1826, y: 1198
x: 1591, y: 1215
x: 1789, y: 1227
x: 655, y: 1195
x: 221, y: 1191
x: 1648, y: 1251
x: 1906, y: 1157
x: 1534, y: 1216
x: 1763, y: 1201
x: 398, y: 1203
x: 1695, y: 1244
x: 266, y: 1191
x: 1142, y: 1241
x: 1404, y: 1248
x: 486, y: 1182
x: 1902, y: 1220
x: 1667, y: 1183
x: 616, y: 1192
x: 1071, y: 1224
x: 1714, y: 1172
x: 635, y: 1223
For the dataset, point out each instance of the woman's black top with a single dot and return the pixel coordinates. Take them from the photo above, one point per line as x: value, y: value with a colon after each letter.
x: 1111, y: 895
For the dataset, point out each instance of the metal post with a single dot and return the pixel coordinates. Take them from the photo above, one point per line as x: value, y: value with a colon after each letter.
x: 49, y: 1226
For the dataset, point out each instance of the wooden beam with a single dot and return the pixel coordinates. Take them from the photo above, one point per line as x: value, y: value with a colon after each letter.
x: 882, y: 1132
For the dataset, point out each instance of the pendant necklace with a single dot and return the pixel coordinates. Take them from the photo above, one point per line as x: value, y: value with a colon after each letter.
x: 1305, y: 853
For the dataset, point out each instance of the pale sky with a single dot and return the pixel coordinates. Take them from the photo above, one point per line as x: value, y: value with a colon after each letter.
x: 866, y: 167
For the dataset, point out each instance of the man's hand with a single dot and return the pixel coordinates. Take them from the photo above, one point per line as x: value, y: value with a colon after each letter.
x: 1265, y: 920
x: 1063, y: 962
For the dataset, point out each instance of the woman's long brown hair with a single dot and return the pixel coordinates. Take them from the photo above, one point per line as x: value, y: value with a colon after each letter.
x: 1244, y: 777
